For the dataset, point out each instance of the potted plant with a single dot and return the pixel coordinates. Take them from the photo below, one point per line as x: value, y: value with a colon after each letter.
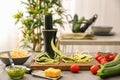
x: 32, y: 20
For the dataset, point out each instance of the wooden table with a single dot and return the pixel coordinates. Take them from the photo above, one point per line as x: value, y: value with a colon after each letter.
x: 67, y: 75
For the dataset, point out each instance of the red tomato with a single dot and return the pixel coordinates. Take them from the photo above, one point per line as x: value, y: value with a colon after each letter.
x: 115, y: 54
x: 97, y: 55
x: 111, y: 57
x: 106, y: 55
x: 103, y: 61
x: 74, y: 68
x: 94, y: 69
x: 99, y: 58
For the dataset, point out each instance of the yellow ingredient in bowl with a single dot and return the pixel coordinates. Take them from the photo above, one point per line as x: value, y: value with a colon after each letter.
x: 16, y: 54
x: 51, y: 72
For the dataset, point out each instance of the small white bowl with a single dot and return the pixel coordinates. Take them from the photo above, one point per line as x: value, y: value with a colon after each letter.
x: 101, y: 29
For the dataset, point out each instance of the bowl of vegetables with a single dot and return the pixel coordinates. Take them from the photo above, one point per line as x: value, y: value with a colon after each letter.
x: 19, y: 57
x: 15, y: 71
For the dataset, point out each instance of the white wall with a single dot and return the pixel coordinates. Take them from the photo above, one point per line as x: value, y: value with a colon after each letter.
x: 8, y: 31
x: 108, y: 14
x: 108, y: 11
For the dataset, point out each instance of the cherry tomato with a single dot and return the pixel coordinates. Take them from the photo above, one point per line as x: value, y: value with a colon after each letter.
x: 99, y: 58
x: 103, y: 61
x: 97, y: 55
x: 115, y: 54
x: 106, y: 55
x: 111, y: 57
x: 94, y: 69
x: 74, y: 68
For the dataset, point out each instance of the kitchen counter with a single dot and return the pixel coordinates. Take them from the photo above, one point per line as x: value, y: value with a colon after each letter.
x: 67, y: 75
x: 110, y: 41
x: 100, y: 40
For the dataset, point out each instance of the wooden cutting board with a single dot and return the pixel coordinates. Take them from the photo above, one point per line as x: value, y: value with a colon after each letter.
x: 63, y: 66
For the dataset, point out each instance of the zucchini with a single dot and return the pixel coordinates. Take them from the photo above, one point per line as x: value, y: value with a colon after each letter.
x: 116, y: 61
x: 75, y: 18
x: 75, y: 26
x: 57, y: 52
x: 77, y: 23
x: 81, y: 20
x: 105, y: 72
x: 67, y: 59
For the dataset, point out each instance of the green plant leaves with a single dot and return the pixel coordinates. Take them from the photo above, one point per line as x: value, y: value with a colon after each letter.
x: 32, y: 19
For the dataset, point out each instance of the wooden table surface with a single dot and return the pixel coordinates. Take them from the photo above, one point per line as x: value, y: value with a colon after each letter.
x: 67, y: 75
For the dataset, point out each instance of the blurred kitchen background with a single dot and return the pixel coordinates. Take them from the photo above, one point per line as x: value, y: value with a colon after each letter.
x: 108, y: 14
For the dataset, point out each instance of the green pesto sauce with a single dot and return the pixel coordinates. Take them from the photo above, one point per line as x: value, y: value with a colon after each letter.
x: 15, y: 72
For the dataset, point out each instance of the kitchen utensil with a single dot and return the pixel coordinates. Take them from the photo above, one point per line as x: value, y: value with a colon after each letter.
x: 40, y: 73
x: 10, y: 59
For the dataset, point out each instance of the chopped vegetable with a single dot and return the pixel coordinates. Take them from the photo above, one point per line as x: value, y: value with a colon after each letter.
x: 78, y: 57
x: 44, y: 58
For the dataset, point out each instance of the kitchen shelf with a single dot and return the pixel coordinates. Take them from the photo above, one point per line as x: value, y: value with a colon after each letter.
x: 100, y: 40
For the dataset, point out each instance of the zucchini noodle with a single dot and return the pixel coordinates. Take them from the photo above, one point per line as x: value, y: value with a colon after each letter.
x: 44, y: 58
x: 79, y: 56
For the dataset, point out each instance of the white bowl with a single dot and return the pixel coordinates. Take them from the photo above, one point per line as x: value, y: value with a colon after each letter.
x: 101, y: 29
